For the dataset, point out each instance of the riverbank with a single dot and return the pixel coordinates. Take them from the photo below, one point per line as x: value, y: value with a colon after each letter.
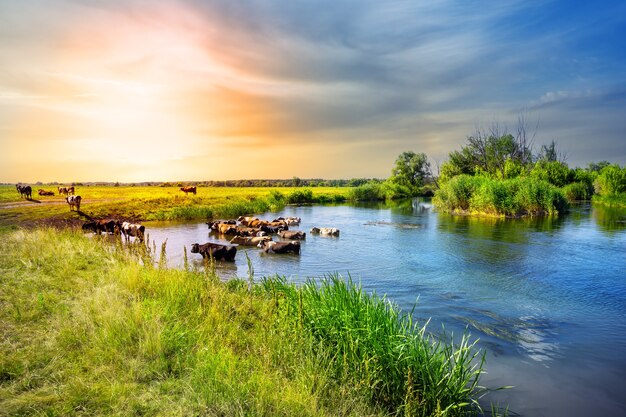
x: 90, y: 327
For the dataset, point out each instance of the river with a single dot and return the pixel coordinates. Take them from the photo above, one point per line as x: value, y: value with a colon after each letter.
x: 545, y: 297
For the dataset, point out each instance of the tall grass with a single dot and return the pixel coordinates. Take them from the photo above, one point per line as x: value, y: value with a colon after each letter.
x: 93, y: 328
x: 88, y: 330
x: 381, y: 352
x: 512, y: 198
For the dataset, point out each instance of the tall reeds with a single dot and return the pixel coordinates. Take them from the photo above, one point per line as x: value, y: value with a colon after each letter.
x: 380, y: 350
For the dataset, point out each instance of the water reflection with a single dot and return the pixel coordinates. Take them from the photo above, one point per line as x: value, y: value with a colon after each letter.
x: 609, y: 219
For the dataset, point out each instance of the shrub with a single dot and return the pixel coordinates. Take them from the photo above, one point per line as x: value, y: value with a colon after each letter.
x: 577, y: 191
x: 611, y: 180
x: 367, y: 192
x: 516, y: 197
x: 300, y: 197
x: 555, y: 172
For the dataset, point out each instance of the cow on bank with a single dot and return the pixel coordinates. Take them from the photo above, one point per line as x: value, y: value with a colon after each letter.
x: 188, y: 189
x: 73, y: 201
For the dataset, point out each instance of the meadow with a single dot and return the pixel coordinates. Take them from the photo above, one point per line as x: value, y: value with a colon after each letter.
x: 143, y: 203
x: 91, y: 328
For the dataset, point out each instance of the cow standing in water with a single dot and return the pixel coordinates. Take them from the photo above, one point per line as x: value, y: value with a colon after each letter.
x: 133, y: 229
x: 73, y: 201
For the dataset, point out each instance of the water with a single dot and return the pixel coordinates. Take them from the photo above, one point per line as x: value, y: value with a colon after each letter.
x: 546, y: 297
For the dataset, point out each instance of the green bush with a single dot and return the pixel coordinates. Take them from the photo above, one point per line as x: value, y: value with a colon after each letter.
x: 515, y: 197
x: 300, y: 197
x: 367, y: 192
x: 577, y: 191
x: 555, y: 172
x: 611, y: 181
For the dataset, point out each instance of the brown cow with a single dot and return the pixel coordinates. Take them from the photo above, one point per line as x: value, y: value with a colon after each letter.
x: 291, y: 234
x: 133, y: 229
x: 188, y: 189
x: 44, y: 192
x: 103, y: 226
x: 280, y: 247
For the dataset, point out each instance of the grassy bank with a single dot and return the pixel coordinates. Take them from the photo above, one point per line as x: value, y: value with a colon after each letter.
x: 474, y: 195
x: 87, y: 329
x: 156, y: 203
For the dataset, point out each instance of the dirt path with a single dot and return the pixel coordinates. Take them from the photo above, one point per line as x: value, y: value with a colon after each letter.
x: 32, y: 202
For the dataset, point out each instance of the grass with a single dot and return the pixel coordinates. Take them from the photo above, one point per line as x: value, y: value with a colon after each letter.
x: 380, y: 351
x: 90, y: 328
x: 157, y: 203
x: 516, y: 197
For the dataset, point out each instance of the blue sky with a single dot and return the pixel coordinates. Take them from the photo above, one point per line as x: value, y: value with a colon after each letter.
x: 339, y: 87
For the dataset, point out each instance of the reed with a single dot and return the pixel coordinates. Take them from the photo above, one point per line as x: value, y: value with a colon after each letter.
x: 380, y: 351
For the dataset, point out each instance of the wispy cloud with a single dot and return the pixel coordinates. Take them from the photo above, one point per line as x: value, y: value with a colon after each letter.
x: 372, y: 78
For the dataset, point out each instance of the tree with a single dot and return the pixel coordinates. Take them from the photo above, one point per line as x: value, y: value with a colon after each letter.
x: 410, y: 170
x: 551, y: 154
x: 493, y: 151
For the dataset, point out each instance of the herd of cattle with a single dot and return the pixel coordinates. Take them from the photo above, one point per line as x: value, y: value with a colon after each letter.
x: 73, y: 200
x: 245, y: 231
x: 252, y: 231
x: 25, y: 191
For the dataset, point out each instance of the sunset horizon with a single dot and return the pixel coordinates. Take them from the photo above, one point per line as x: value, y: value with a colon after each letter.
x: 136, y: 91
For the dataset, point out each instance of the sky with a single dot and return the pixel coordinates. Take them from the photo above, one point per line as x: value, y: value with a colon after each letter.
x: 130, y: 90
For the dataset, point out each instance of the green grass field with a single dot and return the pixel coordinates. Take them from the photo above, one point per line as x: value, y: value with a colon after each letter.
x: 150, y: 203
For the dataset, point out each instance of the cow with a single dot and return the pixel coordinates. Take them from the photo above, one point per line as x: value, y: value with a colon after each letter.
x: 25, y: 191
x: 289, y: 221
x: 325, y: 231
x: 62, y: 190
x: 213, y: 224
x: 44, y: 192
x: 249, y: 240
x: 70, y: 190
x: 292, y: 246
x: 188, y: 189
x: 216, y: 251
x: 73, y: 201
x: 292, y: 234
x: 246, y: 220
x: 103, y: 226
x: 133, y: 229
x: 249, y: 231
x: 227, y: 229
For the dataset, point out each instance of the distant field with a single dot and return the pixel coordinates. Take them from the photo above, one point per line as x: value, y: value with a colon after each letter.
x: 149, y: 203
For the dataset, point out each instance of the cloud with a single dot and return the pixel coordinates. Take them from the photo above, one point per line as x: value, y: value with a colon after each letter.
x: 368, y: 78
